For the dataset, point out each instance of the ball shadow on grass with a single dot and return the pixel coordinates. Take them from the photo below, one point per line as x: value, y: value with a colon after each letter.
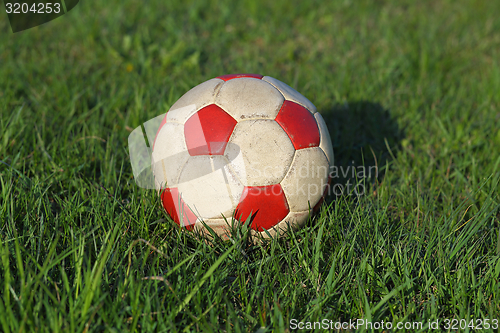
x: 364, y: 137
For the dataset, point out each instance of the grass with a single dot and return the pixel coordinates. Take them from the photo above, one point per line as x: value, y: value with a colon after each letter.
x: 409, y: 87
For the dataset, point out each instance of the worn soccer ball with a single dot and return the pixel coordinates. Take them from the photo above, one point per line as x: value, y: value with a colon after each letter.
x: 245, y: 148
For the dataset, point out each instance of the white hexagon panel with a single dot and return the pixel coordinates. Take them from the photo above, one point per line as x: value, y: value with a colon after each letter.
x: 267, y: 152
x: 242, y: 147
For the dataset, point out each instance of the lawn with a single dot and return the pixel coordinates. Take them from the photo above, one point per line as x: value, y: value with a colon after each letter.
x: 410, y: 89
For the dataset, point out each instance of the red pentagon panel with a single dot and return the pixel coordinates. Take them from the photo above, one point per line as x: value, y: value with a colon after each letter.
x: 267, y: 204
x: 208, y: 130
x: 175, y: 206
x: 299, y: 124
x: 163, y: 122
x: 228, y: 77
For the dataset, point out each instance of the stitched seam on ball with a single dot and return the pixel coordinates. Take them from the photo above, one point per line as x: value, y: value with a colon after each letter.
x: 281, y: 92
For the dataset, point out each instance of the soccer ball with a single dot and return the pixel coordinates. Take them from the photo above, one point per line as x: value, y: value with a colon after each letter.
x: 241, y: 147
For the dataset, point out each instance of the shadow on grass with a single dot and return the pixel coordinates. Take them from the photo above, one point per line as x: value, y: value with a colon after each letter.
x: 364, y: 134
